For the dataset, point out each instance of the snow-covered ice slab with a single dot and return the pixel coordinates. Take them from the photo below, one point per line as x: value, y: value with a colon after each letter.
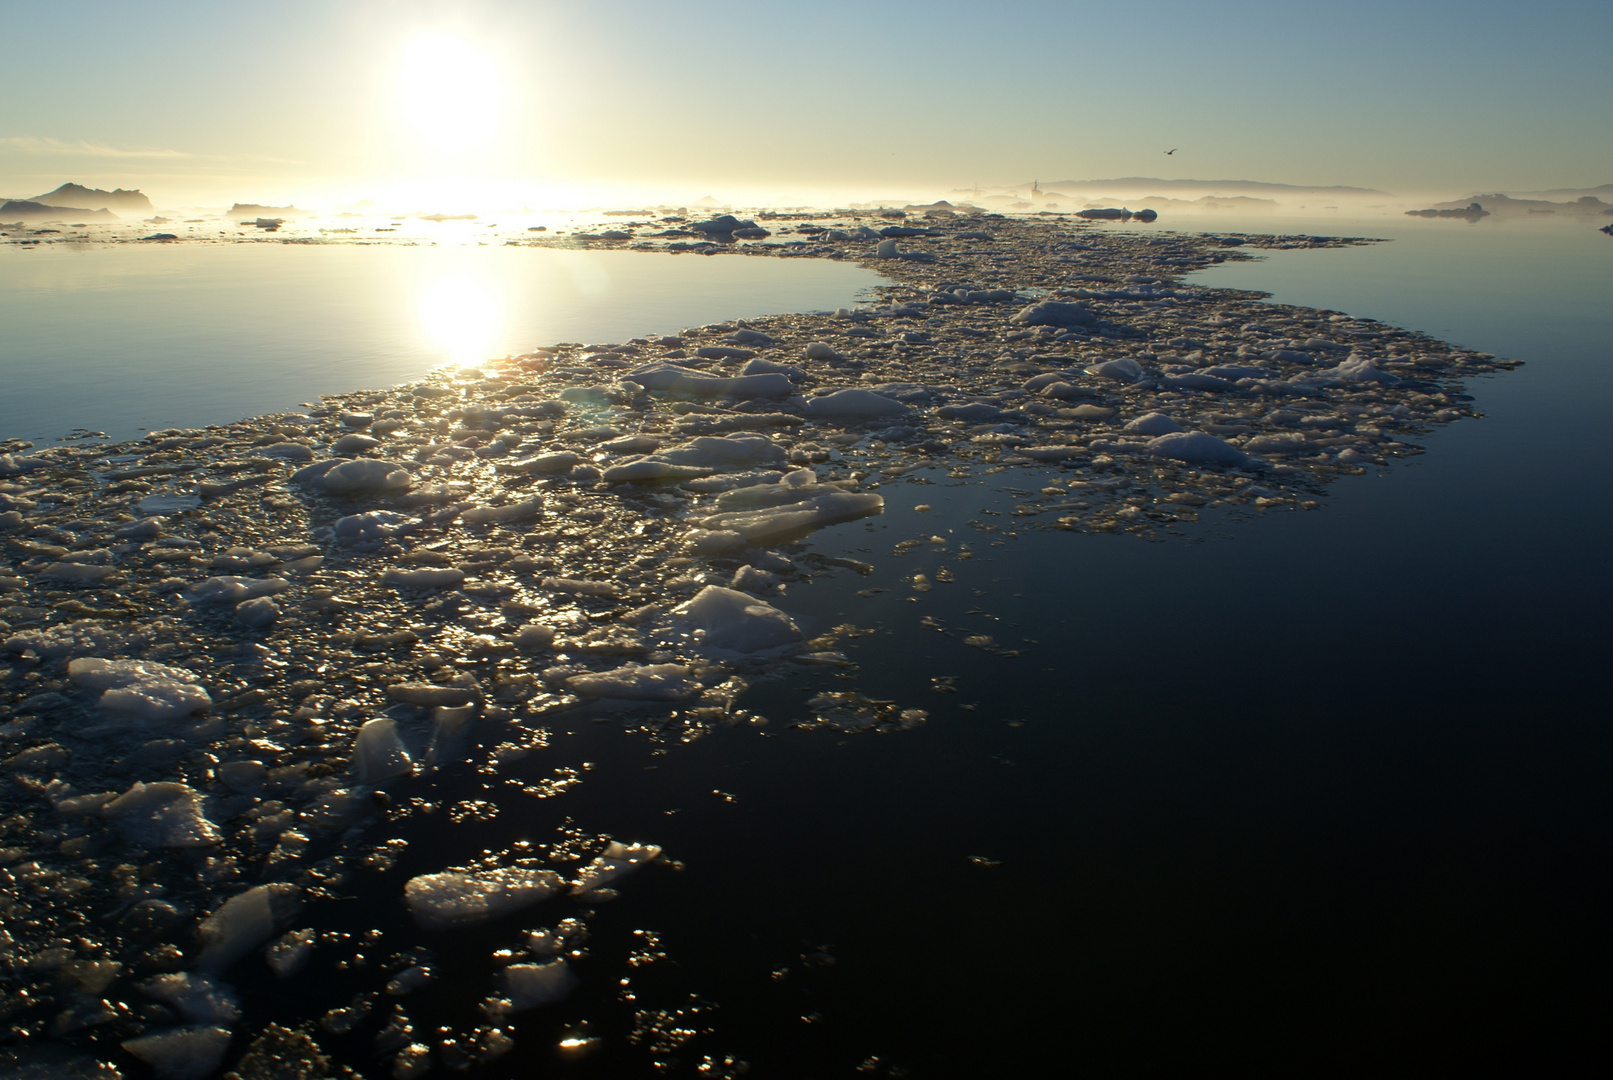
x: 733, y: 621
x: 637, y: 682
x: 452, y: 899
x: 358, y: 476
x: 615, y: 862
x: 164, y: 814
x: 822, y: 506
x: 527, y: 986
x: 243, y: 922
x: 182, y: 1053
x: 141, y: 688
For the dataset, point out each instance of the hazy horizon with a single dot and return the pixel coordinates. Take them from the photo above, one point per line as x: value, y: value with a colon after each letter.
x: 494, y: 103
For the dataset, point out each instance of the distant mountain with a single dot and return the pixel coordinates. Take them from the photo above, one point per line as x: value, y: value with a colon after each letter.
x: 77, y: 196
x: 1605, y: 193
x: 34, y: 210
x: 1212, y: 187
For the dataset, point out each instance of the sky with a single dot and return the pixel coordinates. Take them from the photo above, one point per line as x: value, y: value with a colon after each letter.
x: 572, y: 103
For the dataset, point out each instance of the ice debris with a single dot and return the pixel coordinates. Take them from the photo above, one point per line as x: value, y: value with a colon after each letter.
x: 141, y: 688
x: 182, y: 1053
x: 450, y: 899
x: 244, y: 922
x: 527, y: 986
x: 378, y: 753
x: 163, y: 814
x: 731, y: 621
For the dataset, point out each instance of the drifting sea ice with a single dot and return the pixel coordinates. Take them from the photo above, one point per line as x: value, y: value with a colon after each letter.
x: 378, y: 753
x: 452, y: 899
x: 733, y: 621
x: 616, y: 861
x: 243, y: 922
x: 526, y: 986
x: 141, y: 688
x: 357, y: 476
x: 164, y: 814
x: 182, y: 1053
x: 290, y: 952
x: 1153, y: 424
x: 199, y: 998
x: 1201, y: 448
x: 637, y: 682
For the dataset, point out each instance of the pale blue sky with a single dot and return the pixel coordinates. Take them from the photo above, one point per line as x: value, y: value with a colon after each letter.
x: 287, y: 100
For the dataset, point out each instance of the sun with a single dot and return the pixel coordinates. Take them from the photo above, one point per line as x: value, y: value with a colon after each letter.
x: 450, y: 93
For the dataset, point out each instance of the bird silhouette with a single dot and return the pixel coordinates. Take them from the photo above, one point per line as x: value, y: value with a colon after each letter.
x: 1168, y: 153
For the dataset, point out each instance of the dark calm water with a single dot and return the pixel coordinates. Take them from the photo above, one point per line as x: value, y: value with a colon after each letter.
x: 1316, y: 794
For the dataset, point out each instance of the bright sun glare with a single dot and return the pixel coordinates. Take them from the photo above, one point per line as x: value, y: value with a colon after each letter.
x: 449, y: 93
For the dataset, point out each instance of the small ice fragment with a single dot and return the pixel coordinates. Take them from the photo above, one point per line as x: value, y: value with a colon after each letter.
x: 481, y: 515
x: 616, y: 861
x: 354, y: 443
x: 855, y: 403
x: 233, y: 590
x: 1053, y: 313
x: 290, y: 953
x: 242, y: 923
x: 257, y: 613
x: 798, y: 517
x: 430, y: 694
x: 1153, y: 424
x: 410, y: 979
x: 1124, y: 369
x: 163, y: 814
x: 534, y: 636
x: 427, y: 577
x: 637, y: 682
x: 368, y: 528
x: 378, y: 754
x: 526, y: 986
x: 452, y: 899
x: 201, y: 999
x: 358, y: 476
x: 182, y: 1053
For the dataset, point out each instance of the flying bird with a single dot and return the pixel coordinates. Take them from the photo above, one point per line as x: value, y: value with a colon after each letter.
x: 1168, y: 153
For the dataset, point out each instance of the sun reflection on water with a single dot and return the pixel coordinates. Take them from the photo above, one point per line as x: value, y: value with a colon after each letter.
x: 462, y: 315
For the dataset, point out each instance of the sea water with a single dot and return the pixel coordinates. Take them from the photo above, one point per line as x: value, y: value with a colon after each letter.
x: 126, y: 338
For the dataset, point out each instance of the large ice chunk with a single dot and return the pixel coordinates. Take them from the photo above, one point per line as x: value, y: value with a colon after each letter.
x: 163, y: 815
x: 199, y: 998
x: 823, y: 505
x: 145, y: 689
x: 1201, y: 448
x: 735, y: 622
x: 1153, y: 424
x: 378, y: 753
x: 637, y: 682
x: 358, y: 476
x: 243, y: 922
x: 526, y: 986
x: 678, y: 380
x: 371, y: 527
x: 854, y: 403
x: 451, y: 899
x: 233, y: 590
x: 67, y: 639
x: 182, y: 1053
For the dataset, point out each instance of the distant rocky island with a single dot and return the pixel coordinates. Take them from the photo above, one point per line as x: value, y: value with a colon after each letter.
x: 1506, y: 206
x: 24, y: 210
x: 258, y: 210
x: 1470, y: 212
x: 78, y: 197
